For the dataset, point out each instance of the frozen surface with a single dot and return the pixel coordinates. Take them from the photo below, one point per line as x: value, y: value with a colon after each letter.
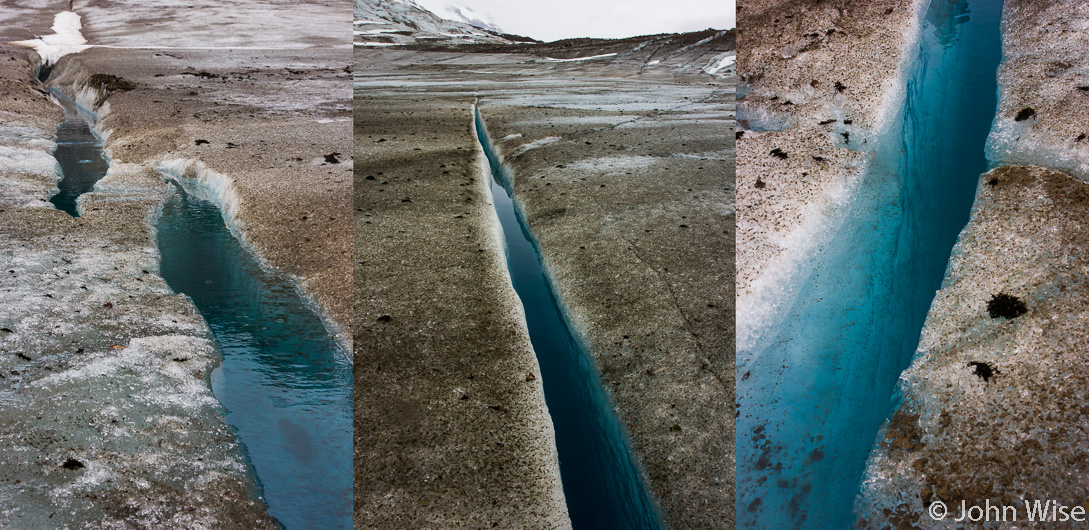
x: 66, y: 39
x: 284, y: 382
x: 1018, y: 433
x: 1044, y: 88
x: 993, y: 404
x: 631, y: 201
x: 601, y: 480
x: 845, y: 275
x: 581, y: 58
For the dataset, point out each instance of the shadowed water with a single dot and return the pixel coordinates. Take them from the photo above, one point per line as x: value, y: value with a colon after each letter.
x: 79, y: 152
x: 601, y: 482
x: 815, y: 393
x: 284, y: 382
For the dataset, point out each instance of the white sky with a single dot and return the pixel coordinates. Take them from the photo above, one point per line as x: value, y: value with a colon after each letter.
x: 551, y: 20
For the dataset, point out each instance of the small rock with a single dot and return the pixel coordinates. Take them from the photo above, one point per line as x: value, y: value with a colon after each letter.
x: 72, y: 463
x: 1026, y: 113
x: 984, y: 370
x: 1006, y: 306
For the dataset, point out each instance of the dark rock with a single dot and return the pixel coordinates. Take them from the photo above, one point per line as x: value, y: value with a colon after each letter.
x: 984, y: 370
x: 385, y: 318
x: 110, y: 83
x: 1025, y: 114
x: 760, y: 183
x: 1006, y: 306
x: 778, y: 153
x: 72, y: 463
x: 201, y: 142
x: 332, y: 158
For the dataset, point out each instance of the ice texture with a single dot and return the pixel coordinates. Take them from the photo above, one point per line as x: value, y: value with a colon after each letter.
x: 66, y: 39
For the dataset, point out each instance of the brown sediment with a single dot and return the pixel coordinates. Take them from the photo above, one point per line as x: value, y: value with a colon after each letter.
x: 1000, y: 434
x: 293, y: 205
x: 994, y: 402
x: 451, y: 432
x: 634, y: 219
x: 108, y: 417
x: 634, y: 224
x: 1043, y: 87
x: 822, y: 79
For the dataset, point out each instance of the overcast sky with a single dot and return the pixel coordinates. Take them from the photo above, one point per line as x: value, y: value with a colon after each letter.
x: 550, y: 20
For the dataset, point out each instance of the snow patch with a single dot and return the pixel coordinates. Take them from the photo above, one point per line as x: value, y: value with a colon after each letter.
x: 212, y: 186
x: 724, y: 62
x: 580, y: 58
x: 535, y: 144
x: 66, y: 39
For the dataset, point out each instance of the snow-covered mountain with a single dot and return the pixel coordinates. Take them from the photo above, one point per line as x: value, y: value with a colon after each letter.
x: 468, y: 16
x: 399, y: 22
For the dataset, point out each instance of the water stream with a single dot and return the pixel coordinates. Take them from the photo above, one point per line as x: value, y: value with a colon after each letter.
x: 80, y: 155
x: 285, y: 384
x: 814, y: 394
x: 601, y: 482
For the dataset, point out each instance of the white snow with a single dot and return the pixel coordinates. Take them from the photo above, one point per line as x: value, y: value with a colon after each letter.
x: 725, y: 62
x: 66, y: 39
x: 581, y: 58
x: 656, y: 61
x: 535, y: 144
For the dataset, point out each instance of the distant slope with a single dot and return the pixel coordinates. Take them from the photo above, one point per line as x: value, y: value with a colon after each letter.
x: 404, y: 22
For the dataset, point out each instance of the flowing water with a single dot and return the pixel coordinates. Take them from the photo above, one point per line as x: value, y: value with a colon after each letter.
x: 601, y: 482
x: 80, y: 155
x: 284, y: 382
x: 814, y: 394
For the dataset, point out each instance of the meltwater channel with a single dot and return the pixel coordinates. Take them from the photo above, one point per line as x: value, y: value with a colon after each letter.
x: 285, y: 383
x: 814, y: 395
x: 79, y: 153
x: 601, y: 482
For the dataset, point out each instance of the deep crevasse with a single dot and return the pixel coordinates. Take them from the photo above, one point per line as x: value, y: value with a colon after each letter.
x: 814, y: 394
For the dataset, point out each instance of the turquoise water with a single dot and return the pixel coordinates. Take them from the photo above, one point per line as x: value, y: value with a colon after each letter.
x: 601, y: 482
x: 814, y: 394
x: 285, y: 383
x: 80, y: 155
